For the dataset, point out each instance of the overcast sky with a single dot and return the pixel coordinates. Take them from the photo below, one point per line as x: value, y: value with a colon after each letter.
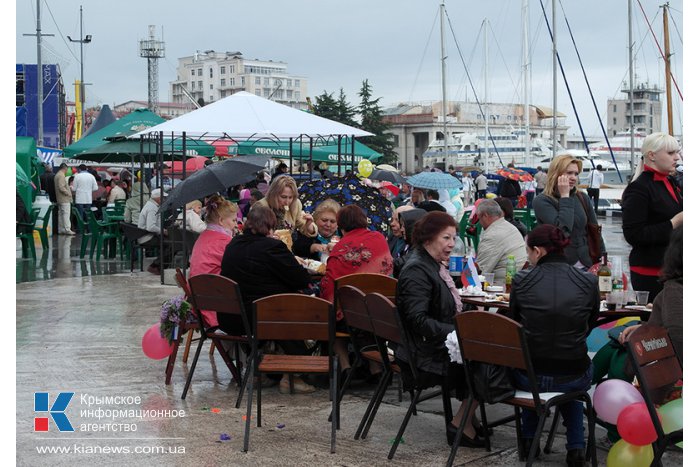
x: 338, y: 44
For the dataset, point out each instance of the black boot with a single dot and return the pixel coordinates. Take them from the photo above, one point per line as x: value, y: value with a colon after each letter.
x: 576, y: 458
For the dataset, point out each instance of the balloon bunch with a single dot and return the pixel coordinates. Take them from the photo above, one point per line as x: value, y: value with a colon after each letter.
x: 620, y: 403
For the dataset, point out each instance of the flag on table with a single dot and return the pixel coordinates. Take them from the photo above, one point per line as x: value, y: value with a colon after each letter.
x: 473, y: 277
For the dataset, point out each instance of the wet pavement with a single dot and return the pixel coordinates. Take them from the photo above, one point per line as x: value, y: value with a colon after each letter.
x: 79, y: 326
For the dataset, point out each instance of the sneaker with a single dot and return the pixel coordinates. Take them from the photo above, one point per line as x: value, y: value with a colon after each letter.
x: 300, y: 387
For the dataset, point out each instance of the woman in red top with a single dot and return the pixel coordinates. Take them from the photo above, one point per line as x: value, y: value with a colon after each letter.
x: 652, y: 208
x: 359, y: 250
x: 210, y: 245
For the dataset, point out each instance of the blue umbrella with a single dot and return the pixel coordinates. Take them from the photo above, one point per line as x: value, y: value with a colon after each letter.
x: 434, y: 181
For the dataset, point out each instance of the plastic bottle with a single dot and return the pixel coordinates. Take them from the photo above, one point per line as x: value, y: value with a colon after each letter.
x: 617, y: 282
x: 511, y: 270
x: 457, y: 257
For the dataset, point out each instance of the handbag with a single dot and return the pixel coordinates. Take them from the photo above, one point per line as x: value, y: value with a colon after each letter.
x: 593, y: 233
x: 492, y: 383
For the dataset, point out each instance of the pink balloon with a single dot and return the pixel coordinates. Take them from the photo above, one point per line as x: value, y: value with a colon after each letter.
x: 635, y: 426
x: 153, y: 345
x: 612, y: 396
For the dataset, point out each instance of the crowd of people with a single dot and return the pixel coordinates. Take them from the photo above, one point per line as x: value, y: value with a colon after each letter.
x: 265, y: 241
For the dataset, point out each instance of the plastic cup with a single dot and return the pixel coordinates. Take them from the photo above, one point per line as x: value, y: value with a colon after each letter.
x: 613, y: 299
x: 642, y: 297
x: 488, y: 278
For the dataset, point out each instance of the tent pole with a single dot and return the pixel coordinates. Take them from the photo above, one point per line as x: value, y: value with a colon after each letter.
x: 184, y: 208
x: 340, y: 142
x: 311, y: 158
x: 352, y: 150
x: 161, y: 245
x: 291, y: 157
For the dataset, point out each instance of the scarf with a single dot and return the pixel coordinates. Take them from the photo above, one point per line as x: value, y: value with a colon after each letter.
x: 220, y: 229
x: 661, y: 177
x: 445, y: 276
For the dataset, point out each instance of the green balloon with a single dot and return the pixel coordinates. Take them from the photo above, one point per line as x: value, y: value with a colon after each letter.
x: 624, y: 454
x: 672, y: 417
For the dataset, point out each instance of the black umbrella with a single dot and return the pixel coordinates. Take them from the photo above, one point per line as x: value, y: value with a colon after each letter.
x: 214, y: 178
x: 387, y: 176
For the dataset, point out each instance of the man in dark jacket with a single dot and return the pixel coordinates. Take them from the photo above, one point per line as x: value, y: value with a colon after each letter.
x: 47, y: 184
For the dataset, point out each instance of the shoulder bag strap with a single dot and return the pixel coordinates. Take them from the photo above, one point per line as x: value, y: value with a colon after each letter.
x: 579, y: 195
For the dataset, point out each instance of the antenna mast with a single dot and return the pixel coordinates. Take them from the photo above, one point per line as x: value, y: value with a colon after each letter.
x: 152, y: 50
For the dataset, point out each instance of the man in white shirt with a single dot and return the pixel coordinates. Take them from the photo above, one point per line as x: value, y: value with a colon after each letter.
x: 84, y: 184
x: 149, y: 219
x: 594, y: 185
x: 499, y: 239
x: 481, y: 184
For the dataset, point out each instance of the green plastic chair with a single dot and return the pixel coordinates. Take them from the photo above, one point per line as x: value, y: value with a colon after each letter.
x: 27, y: 238
x: 527, y: 217
x: 102, y: 231
x: 84, y: 229
x: 43, y: 230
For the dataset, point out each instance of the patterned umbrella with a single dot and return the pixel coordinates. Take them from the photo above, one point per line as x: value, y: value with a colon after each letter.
x: 514, y: 174
x: 348, y: 190
x: 434, y: 181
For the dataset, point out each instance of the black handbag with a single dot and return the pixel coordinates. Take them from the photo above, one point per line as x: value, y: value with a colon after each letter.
x: 492, y: 383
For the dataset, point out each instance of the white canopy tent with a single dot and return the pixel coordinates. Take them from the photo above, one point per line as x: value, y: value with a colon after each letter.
x: 244, y: 115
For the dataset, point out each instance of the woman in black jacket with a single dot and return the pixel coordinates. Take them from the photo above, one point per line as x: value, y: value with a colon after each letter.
x: 427, y: 301
x: 263, y: 266
x: 652, y: 207
x: 557, y: 305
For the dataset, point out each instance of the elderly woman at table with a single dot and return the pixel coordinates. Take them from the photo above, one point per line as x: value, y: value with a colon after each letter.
x: 428, y: 300
x: 283, y: 198
x: 326, y: 218
x: 263, y: 266
x: 193, y: 220
x: 558, y: 305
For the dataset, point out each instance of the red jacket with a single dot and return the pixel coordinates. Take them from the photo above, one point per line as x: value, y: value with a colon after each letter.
x: 206, y: 259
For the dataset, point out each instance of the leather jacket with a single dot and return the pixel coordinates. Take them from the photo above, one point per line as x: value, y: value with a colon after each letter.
x: 557, y: 305
x: 427, y: 309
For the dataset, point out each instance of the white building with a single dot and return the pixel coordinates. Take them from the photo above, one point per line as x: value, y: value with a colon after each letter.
x: 211, y: 76
x: 647, y: 110
x: 167, y: 110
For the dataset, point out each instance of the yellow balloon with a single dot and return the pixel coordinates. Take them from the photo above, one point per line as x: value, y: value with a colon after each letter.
x: 364, y: 168
x: 624, y: 454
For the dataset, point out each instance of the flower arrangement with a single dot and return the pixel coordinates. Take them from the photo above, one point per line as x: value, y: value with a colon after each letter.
x: 172, y: 312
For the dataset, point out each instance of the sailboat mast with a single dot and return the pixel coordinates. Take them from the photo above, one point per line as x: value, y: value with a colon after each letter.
x: 667, y: 59
x: 486, y: 93
x: 554, y: 78
x: 631, y: 73
x: 442, y: 68
x: 526, y: 80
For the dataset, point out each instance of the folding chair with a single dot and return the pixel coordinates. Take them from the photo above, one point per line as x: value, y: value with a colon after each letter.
x: 387, y: 326
x: 366, y: 283
x: 495, y: 339
x: 657, y: 369
x: 220, y: 294
x: 183, y: 327
x: 292, y: 317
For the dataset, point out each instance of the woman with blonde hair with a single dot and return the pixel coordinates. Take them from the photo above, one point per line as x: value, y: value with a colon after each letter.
x: 562, y: 205
x: 283, y: 198
x: 652, y: 208
x: 193, y: 219
x: 208, y: 250
x: 326, y: 219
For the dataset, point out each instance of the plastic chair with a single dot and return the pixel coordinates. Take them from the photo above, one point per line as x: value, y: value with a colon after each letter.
x: 27, y: 235
x: 294, y: 317
x: 495, y: 339
x: 220, y: 294
x: 86, y: 236
x: 387, y: 326
x: 526, y: 217
x: 657, y: 369
x: 43, y: 230
x: 102, y: 232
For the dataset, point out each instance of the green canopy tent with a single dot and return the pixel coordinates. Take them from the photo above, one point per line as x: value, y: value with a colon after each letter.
x: 324, y: 150
x: 29, y: 162
x: 125, y: 150
x: 138, y: 120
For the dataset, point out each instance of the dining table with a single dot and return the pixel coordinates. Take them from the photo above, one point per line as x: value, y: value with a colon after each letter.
x: 605, y: 316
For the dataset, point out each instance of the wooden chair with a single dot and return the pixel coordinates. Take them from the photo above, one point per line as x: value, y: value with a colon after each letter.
x: 495, y: 339
x: 657, y: 369
x: 366, y: 283
x: 293, y: 317
x: 221, y: 294
x: 387, y: 326
x: 183, y: 327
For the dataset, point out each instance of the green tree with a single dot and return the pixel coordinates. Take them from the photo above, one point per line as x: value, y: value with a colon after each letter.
x: 326, y: 106
x: 346, y: 112
x: 371, y: 120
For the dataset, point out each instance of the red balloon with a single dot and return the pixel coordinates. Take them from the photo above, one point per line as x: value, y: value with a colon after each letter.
x: 635, y: 426
x: 153, y: 345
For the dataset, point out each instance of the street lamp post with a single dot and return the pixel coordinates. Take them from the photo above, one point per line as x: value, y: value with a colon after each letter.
x: 82, y: 41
